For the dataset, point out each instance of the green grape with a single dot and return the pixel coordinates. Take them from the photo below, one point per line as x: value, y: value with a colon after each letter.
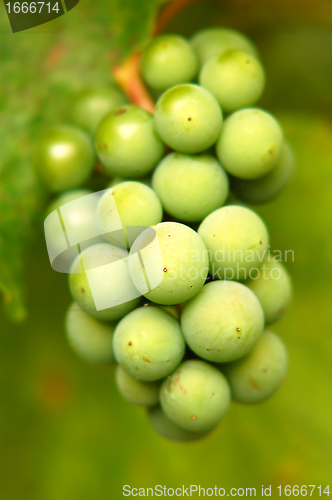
x: 176, y: 263
x: 257, y: 376
x: 272, y: 285
x: 136, y: 205
x: 99, y: 282
x: 215, y: 41
x: 173, y: 310
x: 64, y: 158
x: 266, y: 188
x: 165, y: 427
x: 88, y: 337
x: 168, y: 60
x: 127, y: 143
x: 92, y: 104
x: 148, y: 343
x: 188, y: 118
x: 235, y: 78
x: 135, y: 391
x: 196, y: 396
x: 237, y: 239
x: 223, y: 322
x: 190, y: 187
x: 250, y: 143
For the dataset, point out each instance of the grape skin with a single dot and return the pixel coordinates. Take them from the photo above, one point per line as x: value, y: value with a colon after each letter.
x: 64, y: 158
x: 92, y: 104
x: 250, y: 143
x: 212, y: 42
x: 180, y: 268
x: 235, y: 78
x: 223, y: 322
x: 188, y: 118
x: 148, y: 343
x: 137, y: 205
x: 257, y: 376
x: 88, y: 337
x: 168, y: 60
x: 94, y: 257
x: 127, y: 143
x: 134, y: 391
x: 273, y: 288
x: 167, y: 429
x: 190, y: 187
x: 266, y: 188
x: 237, y: 239
x: 195, y: 397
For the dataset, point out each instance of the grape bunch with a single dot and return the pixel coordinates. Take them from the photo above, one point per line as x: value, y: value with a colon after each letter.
x: 184, y: 314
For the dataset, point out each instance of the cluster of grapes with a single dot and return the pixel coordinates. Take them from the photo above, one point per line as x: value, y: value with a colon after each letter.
x: 207, y: 277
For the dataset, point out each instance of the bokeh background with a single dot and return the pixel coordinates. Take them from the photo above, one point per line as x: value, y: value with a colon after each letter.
x: 65, y: 433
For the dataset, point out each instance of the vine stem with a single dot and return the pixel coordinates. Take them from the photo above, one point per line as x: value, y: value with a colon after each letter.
x: 127, y: 74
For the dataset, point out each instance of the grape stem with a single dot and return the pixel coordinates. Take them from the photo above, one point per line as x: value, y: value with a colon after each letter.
x: 127, y: 74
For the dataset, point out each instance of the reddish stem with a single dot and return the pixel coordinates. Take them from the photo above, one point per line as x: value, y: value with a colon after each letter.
x: 170, y: 11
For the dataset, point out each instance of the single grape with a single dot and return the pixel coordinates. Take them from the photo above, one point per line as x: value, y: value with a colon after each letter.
x: 237, y: 240
x: 148, y: 343
x: 76, y: 219
x: 235, y: 78
x: 195, y: 397
x: 223, y: 322
x: 165, y: 427
x: 188, y: 118
x: 168, y: 60
x: 137, y: 205
x: 92, y: 104
x: 127, y: 143
x: 99, y: 282
x: 272, y: 285
x: 176, y: 263
x: 64, y: 158
x: 89, y: 338
x: 257, y: 376
x: 250, y: 143
x: 135, y: 391
x: 189, y: 186
x: 264, y: 189
x: 215, y: 41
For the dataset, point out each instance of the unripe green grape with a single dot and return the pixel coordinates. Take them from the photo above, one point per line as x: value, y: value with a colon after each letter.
x: 168, y: 60
x: 223, y: 322
x: 88, y: 337
x: 100, y: 275
x: 64, y: 158
x: 135, y: 391
x: 176, y: 263
x: 195, y: 397
x: 137, y: 205
x: 92, y: 104
x: 215, y: 41
x: 190, y: 187
x: 264, y: 189
x: 235, y: 78
x: 250, y: 143
x: 165, y: 427
x: 237, y: 239
x: 127, y: 143
x: 188, y: 118
x: 272, y: 285
x: 257, y: 376
x: 148, y: 343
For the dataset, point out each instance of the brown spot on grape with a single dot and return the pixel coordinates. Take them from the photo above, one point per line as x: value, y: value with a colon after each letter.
x: 165, y: 269
x: 105, y: 145
x: 261, y: 242
x: 120, y: 111
x: 130, y: 343
x: 82, y: 290
x: 253, y: 382
x: 271, y: 151
x: 146, y: 360
x: 169, y: 235
x: 189, y: 119
x: 238, y: 329
x: 193, y: 417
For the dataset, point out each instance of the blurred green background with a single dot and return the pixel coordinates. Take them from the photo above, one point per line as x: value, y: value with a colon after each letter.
x: 65, y: 433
